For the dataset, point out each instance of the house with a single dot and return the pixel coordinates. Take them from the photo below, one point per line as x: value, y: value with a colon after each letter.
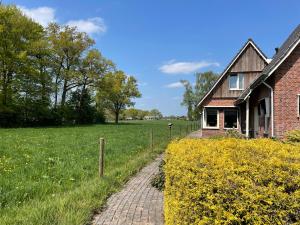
x: 254, y: 95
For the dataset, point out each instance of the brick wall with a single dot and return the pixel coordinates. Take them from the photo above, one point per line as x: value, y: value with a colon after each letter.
x: 219, y: 102
x: 286, y: 84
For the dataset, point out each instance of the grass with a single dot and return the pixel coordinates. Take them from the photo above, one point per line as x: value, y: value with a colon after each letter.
x: 50, y: 175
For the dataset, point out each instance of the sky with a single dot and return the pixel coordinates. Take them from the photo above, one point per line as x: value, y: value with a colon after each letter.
x: 161, y: 42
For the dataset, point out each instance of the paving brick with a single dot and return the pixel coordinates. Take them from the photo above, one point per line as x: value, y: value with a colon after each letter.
x: 137, y: 204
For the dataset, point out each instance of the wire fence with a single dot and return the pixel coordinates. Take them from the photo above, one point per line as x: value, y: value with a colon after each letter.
x: 150, y: 139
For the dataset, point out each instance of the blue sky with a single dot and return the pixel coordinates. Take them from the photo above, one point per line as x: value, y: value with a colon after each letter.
x: 163, y: 41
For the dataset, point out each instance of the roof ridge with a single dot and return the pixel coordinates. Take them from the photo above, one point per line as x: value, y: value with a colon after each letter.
x: 244, y: 46
x: 282, y: 53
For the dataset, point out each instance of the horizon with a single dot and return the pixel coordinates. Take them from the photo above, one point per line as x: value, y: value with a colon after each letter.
x: 161, y: 43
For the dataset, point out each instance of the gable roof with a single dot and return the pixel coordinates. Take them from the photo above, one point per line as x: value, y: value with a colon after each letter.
x: 284, y: 51
x: 249, y: 42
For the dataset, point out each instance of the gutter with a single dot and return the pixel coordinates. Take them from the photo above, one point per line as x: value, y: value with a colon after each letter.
x: 272, y: 107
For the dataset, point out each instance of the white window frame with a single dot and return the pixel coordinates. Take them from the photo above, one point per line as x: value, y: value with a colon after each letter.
x: 237, y: 82
x: 298, y: 105
x: 205, y: 119
x: 237, y: 119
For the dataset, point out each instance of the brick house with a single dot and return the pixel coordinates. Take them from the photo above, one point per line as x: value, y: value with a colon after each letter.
x: 259, y: 97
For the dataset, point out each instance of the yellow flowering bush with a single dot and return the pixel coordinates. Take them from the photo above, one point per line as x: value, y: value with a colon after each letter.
x: 232, y: 181
x: 293, y: 136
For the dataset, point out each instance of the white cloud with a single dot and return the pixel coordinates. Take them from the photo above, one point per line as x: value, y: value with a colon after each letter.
x: 173, y: 67
x: 94, y: 25
x: 174, y: 85
x: 43, y: 15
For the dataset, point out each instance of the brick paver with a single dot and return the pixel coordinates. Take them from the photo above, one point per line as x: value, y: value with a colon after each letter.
x: 137, y: 203
x: 195, y: 134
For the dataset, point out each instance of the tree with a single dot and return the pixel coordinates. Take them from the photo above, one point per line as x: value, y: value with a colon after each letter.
x: 192, y: 95
x: 80, y: 108
x: 188, y: 99
x: 156, y: 113
x: 116, y: 91
x: 93, y: 67
x: 68, y: 46
x: 19, y: 75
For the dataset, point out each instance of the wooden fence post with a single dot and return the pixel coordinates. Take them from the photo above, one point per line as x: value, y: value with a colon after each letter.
x: 101, y: 157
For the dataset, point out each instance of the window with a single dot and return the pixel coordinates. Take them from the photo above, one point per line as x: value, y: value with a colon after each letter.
x: 236, y: 81
x: 211, y: 118
x: 230, y: 118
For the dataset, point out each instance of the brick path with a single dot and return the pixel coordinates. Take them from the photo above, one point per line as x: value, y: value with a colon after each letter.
x: 195, y: 134
x: 137, y: 203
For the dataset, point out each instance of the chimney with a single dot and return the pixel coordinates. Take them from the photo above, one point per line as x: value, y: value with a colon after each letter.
x: 276, y: 50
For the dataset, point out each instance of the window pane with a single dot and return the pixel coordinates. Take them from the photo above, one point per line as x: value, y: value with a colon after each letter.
x: 241, y: 81
x: 233, y: 81
x: 231, y: 117
x: 211, y: 118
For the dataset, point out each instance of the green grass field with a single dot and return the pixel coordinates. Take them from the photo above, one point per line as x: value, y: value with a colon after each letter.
x: 50, y: 175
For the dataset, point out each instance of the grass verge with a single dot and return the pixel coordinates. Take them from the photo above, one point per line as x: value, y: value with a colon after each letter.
x: 49, y: 175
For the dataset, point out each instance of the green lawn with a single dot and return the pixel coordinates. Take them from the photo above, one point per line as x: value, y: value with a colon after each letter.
x: 50, y: 175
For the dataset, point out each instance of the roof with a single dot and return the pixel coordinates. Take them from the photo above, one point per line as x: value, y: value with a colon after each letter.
x: 249, y: 42
x: 284, y: 51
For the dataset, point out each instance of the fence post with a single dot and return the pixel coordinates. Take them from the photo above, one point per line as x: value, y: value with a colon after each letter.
x: 151, y: 138
x: 101, y: 157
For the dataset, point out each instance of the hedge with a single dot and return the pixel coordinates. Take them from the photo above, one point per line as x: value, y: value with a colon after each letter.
x: 232, y: 181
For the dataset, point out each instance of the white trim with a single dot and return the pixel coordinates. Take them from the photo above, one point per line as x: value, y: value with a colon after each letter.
x: 230, y: 65
x: 237, y: 120
x: 220, y: 106
x: 283, y: 59
x: 247, y: 118
x: 205, y: 119
x: 237, y: 82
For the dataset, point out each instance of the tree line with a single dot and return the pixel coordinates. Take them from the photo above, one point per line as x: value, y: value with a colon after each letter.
x: 55, y: 75
x: 138, y: 114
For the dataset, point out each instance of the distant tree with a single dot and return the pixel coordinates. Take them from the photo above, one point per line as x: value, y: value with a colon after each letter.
x: 116, y: 91
x: 192, y: 95
x: 142, y: 114
x: 156, y: 113
x: 131, y: 113
x: 188, y: 99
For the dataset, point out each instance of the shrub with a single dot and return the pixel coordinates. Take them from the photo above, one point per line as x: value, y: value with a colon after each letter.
x: 293, y: 136
x: 232, y: 181
x: 233, y: 133
x: 158, y: 180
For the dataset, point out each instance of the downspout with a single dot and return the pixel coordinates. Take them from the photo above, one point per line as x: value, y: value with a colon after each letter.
x: 247, y: 117
x: 272, y: 107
